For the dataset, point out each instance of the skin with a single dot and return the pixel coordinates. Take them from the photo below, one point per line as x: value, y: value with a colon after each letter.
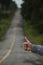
x: 27, y: 45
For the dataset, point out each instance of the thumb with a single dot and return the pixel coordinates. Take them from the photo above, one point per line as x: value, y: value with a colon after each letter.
x: 27, y: 40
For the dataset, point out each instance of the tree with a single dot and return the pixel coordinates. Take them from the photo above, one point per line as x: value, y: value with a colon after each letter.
x: 5, y: 3
x: 33, y: 10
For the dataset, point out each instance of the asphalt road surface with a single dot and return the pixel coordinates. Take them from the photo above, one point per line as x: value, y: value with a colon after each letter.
x: 11, y: 50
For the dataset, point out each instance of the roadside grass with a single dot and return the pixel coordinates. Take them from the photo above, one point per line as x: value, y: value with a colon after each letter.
x: 5, y: 22
x: 32, y: 34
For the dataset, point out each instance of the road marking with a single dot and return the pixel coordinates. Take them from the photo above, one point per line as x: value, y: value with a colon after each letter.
x: 10, y: 49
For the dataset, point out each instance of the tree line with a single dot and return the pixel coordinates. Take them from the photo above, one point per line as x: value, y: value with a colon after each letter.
x: 7, y: 10
x: 32, y: 10
x: 6, y: 4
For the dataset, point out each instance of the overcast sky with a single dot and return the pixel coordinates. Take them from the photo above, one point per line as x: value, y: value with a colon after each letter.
x: 18, y: 2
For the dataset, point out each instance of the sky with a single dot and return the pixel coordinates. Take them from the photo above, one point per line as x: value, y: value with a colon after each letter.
x: 18, y: 2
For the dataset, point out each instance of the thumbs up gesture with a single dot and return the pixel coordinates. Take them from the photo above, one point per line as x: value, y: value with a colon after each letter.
x: 27, y: 45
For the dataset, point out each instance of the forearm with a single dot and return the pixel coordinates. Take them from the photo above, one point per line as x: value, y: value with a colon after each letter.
x: 37, y: 49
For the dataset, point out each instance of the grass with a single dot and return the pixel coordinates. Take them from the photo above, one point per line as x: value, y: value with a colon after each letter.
x: 5, y: 22
x: 3, y: 28
x: 32, y: 34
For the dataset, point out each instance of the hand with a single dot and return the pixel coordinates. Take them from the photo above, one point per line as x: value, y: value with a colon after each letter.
x: 27, y: 45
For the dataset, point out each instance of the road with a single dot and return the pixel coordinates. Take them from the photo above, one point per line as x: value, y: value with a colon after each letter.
x: 11, y: 50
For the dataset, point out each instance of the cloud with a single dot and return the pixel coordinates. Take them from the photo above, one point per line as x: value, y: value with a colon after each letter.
x: 18, y: 2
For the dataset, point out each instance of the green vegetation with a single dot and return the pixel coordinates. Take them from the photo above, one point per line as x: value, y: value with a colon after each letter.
x: 6, y: 14
x: 32, y: 13
x: 32, y: 34
x: 33, y: 10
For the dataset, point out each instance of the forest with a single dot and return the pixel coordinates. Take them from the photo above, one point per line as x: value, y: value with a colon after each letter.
x: 32, y: 13
x: 7, y: 9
